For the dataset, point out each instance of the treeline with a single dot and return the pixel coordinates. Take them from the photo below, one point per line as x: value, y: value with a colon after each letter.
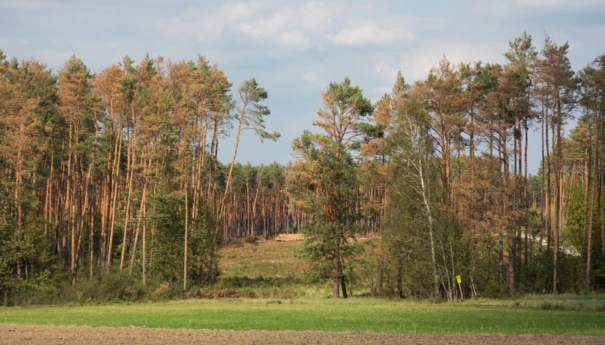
x: 444, y: 162
x: 116, y: 173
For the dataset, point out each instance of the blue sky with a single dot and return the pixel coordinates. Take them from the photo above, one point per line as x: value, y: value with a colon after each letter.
x: 295, y: 48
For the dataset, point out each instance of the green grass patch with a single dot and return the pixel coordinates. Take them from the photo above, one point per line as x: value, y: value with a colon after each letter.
x: 355, y: 314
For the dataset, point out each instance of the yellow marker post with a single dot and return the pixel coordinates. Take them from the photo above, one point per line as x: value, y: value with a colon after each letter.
x: 459, y: 280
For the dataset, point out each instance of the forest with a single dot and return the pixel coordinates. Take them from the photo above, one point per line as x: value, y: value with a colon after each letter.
x: 114, y: 178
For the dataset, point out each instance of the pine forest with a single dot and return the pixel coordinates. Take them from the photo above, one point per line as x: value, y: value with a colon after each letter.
x: 114, y: 177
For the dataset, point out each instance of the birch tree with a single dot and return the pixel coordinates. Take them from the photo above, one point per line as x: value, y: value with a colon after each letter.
x: 412, y: 148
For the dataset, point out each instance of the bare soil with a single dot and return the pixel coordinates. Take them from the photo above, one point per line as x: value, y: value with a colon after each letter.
x: 290, y: 237
x: 49, y: 335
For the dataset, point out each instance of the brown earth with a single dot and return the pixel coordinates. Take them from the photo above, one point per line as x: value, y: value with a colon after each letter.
x: 49, y: 335
x: 301, y: 237
x: 289, y: 237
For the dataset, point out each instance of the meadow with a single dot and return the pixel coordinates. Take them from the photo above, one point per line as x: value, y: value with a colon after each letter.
x: 562, y: 315
x: 266, y: 269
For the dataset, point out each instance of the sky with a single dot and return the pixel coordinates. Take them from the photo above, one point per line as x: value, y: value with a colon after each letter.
x: 296, y: 48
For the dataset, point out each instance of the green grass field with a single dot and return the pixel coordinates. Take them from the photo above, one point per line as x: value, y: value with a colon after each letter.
x: 268, y: 269
x: 356, y: 314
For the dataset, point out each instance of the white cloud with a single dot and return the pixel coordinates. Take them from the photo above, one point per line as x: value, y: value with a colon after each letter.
x: 370, y: 34
x: 310, y: 77
x: 387, y: 70
x: 416, y: 63
x: 29, y: 5
x: 561, y: 4
x: 295, y: 40
x: 297, y: 26
x: 8, y: 41
x: 206, y: 25
x: 291, y: 25
x: 497, y: 9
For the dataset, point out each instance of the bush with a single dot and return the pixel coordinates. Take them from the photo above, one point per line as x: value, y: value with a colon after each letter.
x: 161, y: 292
x: 111, y: 286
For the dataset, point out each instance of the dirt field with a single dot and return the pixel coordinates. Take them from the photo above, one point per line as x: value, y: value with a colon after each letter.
x: 50, y: 335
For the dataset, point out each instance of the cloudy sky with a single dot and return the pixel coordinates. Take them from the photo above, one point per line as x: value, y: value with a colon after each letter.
x: 295, y: 48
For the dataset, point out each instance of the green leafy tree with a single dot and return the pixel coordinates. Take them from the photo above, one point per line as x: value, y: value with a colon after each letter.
x: 324, y: 180
x: 325, y: 184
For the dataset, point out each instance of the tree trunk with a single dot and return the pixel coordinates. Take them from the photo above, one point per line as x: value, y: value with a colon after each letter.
x: 336, y: 273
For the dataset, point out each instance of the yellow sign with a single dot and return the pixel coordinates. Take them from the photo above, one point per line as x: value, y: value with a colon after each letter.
x: 459, y: 279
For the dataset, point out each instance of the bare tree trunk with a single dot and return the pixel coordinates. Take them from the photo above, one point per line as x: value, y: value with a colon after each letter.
x: 336, y: 263
x: 399, y: 278
x: 185, y: 245
x: 140, y: 218
x: 91, y: 242
x: 129, y: 179
x: 343, y: 286
x: 543, y: 189
x: 427, y: 206
x: 556, y: 138
x: 587, y: 191
x: 114, y: 191
x: 548, y: 185
x: 589, y: 237
x: 144, y: 245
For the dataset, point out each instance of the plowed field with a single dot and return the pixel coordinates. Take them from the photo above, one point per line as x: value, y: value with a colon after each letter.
x: 50, y: 335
